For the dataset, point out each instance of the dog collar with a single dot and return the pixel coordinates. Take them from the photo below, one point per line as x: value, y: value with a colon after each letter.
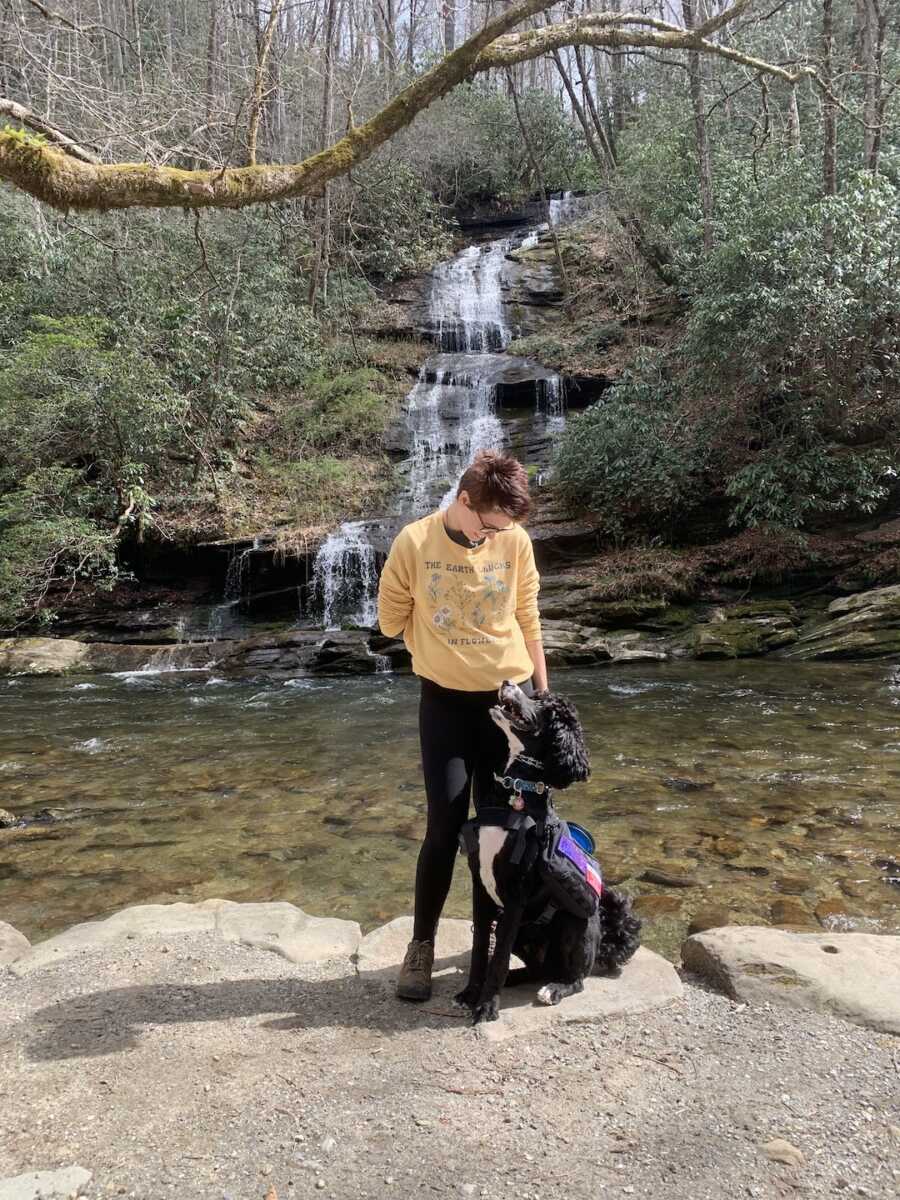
x: 513, y: 784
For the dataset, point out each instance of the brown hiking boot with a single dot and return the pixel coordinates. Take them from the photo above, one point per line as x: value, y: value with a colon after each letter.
x: 415, y: 974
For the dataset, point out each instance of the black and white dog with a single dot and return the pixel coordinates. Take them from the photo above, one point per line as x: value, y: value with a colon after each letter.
x: 540, y: 746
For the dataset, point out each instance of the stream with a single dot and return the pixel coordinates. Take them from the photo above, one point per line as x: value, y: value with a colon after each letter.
x: 763, y: 788
x: 762, y: 782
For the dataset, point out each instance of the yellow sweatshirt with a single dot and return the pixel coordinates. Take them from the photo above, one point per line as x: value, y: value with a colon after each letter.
x: 465, y: 615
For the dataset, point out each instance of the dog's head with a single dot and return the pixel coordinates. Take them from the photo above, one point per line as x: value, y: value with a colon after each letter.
x: 543, y: 735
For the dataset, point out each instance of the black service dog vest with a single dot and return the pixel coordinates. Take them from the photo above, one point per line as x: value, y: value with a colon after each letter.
x: 570, y: 879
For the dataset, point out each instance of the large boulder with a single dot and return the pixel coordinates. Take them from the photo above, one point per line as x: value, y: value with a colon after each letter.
x: 381, y: 952
x: 12, y: 944
x: 647, y: 981
x: 864, y: 625
x: 853, y: 975
x: 279, y: 926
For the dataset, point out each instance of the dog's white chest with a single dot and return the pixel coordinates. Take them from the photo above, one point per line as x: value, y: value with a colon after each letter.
x: 490, y: 843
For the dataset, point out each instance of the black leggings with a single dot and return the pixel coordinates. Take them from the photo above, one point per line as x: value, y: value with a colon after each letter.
x: 456, y: 733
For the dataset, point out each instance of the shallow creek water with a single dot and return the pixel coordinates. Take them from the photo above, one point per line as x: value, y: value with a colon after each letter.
x: 762, y: 782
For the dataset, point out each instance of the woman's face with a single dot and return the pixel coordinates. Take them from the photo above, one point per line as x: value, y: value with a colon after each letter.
x: 483, y: 523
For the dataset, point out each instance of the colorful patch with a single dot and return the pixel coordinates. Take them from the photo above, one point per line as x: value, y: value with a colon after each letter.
x: 587, y: 866
x: 594, y: 880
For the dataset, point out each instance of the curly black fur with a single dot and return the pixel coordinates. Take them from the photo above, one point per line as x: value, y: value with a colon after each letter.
x: 542, y: 739
x: 560, y: 742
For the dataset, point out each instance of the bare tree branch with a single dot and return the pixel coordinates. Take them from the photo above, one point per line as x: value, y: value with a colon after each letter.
x: 18, y: 112
x: 65, y: 181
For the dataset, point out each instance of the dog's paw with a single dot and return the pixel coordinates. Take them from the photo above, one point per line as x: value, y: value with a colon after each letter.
x: 488, y: 1011
x: 550, y: 994
x: 467, y: 998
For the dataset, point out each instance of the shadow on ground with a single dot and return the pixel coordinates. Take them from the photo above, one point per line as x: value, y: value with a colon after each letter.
x: 108, y: 1022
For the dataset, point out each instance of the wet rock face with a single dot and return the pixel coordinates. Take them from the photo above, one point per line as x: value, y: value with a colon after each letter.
x: 61, y: 656
x: 742, y: 638
x: 304, y: 652
x: 864, y: 625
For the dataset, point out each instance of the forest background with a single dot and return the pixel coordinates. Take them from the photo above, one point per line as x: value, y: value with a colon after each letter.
x: 192, y: 370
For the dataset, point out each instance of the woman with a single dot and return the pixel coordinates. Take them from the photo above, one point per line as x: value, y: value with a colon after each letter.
x: 461, y: 586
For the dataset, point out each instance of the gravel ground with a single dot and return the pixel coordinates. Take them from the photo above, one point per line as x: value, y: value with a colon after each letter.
x: 190, y: 1067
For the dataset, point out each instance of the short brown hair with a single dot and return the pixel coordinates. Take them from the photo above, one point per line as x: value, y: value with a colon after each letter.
x: 497, y: 480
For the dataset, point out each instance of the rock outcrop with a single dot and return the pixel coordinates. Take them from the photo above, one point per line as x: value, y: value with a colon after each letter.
x: 852, y: 975
x: 864, y: 625
x: 13, y: 945
x: 280, y: 927
x: 63, y: 656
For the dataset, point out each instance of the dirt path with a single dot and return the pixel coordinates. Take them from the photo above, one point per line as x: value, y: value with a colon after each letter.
x: 190, y: 1067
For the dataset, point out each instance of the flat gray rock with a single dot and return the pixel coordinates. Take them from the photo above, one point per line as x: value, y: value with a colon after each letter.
x: 381, y: 952
x: 279, y: 926
x: 851, y: 975
x: 12, y: 944
x: 288, y: 931
x: 648, y: 981
x: 46, y: 1185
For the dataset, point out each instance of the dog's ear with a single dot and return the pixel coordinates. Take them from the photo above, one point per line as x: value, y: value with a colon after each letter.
x: 565, y: 755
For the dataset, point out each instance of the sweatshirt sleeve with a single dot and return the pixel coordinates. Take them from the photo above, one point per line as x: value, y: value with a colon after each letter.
x: 395, y: 600
x: 527, y: 587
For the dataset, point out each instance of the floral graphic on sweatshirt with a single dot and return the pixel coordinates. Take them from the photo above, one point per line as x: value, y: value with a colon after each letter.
x: 443, y: 618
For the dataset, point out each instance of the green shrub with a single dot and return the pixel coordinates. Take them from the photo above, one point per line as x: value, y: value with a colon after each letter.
x: 338, y: 413
x: 47, y: 534
x: 629, y: 458
x: 394, y: 226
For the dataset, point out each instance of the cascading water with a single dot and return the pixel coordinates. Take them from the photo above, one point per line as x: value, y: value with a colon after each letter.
x: 465, y: 302
x: 223, y: 617
x: 345, y: 577
x: 450, y: 416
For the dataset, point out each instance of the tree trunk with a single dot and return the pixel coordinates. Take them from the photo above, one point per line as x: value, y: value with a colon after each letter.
x: 448, y: 23
x: 874, y: 29
x: 264, y: 45
x: 701, y: 134
x: 829, y: 107
x: 320, y: 263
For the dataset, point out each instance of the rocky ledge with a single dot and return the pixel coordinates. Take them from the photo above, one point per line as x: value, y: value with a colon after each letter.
x: 647, y: 982
x: 581, y: 627
x: 168, y: 1051
x: 855, y: 976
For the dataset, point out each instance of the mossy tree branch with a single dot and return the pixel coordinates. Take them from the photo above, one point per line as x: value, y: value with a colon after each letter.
x: 66, y: 182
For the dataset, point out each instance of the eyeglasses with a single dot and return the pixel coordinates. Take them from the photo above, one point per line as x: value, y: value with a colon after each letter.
x: 488, y: 529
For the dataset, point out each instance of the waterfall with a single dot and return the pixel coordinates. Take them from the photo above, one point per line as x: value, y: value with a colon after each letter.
x: 465, y: 303
x: 451, y: 417
x: 563, y: 208
x: 345, y: 577
x: 450, y: 414
x: 223, y: 616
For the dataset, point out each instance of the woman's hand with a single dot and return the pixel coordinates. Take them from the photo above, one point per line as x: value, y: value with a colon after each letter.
x: 539, y: 662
